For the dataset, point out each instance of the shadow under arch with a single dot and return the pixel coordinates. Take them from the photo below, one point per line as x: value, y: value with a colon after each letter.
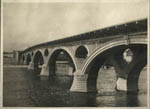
x: 38, y: 60
x: 60, y: 55
x: 28, y: 59
x: 99, y: 56
x: 22, y: 60
x: 61, y: 68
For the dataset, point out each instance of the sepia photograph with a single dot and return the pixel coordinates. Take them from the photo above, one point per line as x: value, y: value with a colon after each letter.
x: 75, y: 54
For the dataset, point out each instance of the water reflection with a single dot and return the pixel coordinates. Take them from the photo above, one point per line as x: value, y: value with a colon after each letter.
x: 54, y: 92
x: 121, y: 99
x: 132, y: 99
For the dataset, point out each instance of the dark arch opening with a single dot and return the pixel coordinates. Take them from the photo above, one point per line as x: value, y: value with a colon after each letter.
x: 28, y: 59
x: 61, y: 69
x: 38, y: 62
x: 23, y: 58
x: 93, y: 69
x: 60, y: 57
x: 81, y: 52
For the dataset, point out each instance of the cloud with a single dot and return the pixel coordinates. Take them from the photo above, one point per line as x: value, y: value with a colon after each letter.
x: 27, y: 24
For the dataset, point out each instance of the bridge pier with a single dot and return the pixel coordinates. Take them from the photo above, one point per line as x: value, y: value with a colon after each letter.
x: 25, y: 62
x: 121, y: 84
x: 44, y: 70
x: 21, y: 61
x: 79, y: 82
x: 31, y: 66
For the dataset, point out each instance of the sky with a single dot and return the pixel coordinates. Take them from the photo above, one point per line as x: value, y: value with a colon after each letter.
x: 28, y: 24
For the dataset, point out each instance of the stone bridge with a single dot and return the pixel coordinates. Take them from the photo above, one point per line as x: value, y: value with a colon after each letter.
x: 123, y: 46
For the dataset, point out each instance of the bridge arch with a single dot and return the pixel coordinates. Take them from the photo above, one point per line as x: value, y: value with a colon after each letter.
x: 109, y: 45
x: 38, y: 61
x: 28, y: 59
x: 54, y: 55
x: 100, y: 55
x: 81, y: 52
x: 23, y: 59
x: 32, y: 53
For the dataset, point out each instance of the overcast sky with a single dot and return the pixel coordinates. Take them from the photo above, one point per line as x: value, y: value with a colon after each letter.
x: 27, y: 24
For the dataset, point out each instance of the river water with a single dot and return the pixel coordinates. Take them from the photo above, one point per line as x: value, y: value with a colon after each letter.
x: 22, y: 88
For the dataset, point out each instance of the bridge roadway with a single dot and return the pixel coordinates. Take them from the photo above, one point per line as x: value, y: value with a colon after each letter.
x: 124, y: 46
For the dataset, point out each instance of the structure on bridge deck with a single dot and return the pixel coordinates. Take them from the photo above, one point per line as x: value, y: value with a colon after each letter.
x: 87, y: 52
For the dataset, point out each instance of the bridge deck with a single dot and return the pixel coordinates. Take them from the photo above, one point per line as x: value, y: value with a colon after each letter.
x: 126, y: 28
